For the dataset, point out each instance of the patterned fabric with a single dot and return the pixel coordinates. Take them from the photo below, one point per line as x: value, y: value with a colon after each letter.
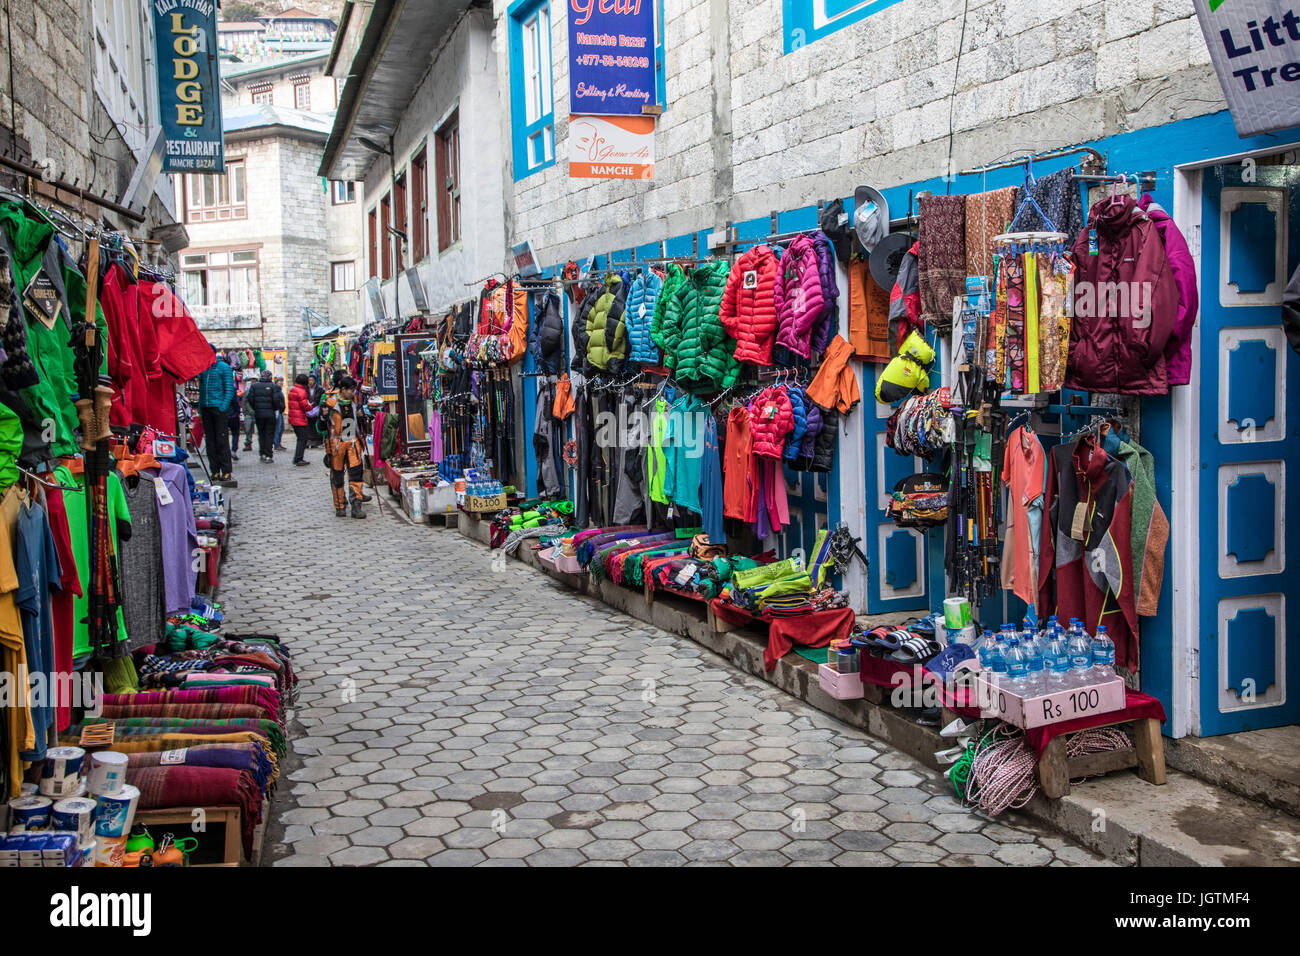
x: 1056, y: 288
x: 942, y: 257
x: 987, y: 215
x: 1058, y: 196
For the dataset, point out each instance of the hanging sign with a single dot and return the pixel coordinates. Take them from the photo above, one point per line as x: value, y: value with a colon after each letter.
x: 611, y: 56
x: 189, y: 94
x: 612, y: 147
x: 1255, y: 47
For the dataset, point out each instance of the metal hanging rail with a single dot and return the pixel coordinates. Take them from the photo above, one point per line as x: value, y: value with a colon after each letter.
x: 1096, y: 161
x: 73, y: 188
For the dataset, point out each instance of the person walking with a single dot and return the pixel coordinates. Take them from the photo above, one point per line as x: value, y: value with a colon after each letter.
x: 265, y: 400
x: 315, y: 395
x: 345, y: 448
x: 216, y: 392
x: 299, y: 410
x: 234, y: 415
x: 279, y: 420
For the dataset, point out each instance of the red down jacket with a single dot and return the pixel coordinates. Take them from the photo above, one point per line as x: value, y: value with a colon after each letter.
x: 748, y: 310
x: 771, y: 419
x: 798, y: 296
x: 1125, y: 304
x: 299, y: 405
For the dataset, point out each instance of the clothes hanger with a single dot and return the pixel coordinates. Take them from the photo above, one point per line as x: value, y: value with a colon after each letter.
x: 48, y: 484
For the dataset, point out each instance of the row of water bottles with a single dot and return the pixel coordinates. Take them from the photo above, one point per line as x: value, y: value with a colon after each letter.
x: 1032, y: 662
x: 484, y: 489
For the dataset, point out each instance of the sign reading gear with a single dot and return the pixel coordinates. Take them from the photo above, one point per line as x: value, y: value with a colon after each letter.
x: 1255, y: 46
x: 185, y: 42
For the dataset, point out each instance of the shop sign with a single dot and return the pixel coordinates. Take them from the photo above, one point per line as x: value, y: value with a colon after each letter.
x: 189, y: 95
x: 1255, y: 46
x: 803, y: 21
x: 612, y: 56
x: 612, y: 147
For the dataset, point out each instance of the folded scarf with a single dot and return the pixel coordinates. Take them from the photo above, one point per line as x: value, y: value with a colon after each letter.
x: 186, y: 711
x: 146, y: 726
x: 249, y: 757
x: 265, y: 698
x: 941, y: 260
x: 183, y: 786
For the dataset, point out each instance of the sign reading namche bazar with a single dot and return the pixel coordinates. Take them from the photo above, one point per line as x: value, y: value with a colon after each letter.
x: 189, y: 95
x: 1255, y: 46
x: 611, y: 56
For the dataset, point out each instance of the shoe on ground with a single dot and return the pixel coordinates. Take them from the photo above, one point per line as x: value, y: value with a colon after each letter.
x: 340, y: 512
x: 248, y: 448
x: 280, y: 448
x: 300, y: 462
x: 357, y: 510
x: 366, y: 497
x: 234, y: 457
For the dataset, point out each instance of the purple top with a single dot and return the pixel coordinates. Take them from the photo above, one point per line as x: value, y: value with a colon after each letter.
x: 180, y: 540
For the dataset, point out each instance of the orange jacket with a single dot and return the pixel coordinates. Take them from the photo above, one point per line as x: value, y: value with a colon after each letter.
x: 836, y: 384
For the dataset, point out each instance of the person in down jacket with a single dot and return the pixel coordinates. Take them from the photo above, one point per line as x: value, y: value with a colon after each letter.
x: 748, y: 310
x: 1125, y: 304
x: 606, y: 330
x: 546, y: 335
x: 828, y: 323
x: 641, y: 301
x: 770, y: 420
x: 799, y: 411
x: 798, y: 296
x: 695, y: 344
x: 672, y: 282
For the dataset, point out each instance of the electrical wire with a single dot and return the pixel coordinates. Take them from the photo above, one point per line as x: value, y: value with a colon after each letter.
x: 952, y: 98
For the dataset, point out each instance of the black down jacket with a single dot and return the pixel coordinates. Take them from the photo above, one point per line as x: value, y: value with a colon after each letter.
x: 824, y: 450
x: 264, y: 399
x: 546, y: 336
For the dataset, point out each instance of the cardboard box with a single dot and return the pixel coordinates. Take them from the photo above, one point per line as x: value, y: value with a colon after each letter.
x: 840, y: 686
x: 1030, y: 712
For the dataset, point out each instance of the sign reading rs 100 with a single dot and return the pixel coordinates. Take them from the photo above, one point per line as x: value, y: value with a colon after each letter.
x: 189, y: 98
x: 611, y: 56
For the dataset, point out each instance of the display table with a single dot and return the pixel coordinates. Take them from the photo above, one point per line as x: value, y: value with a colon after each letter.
x: 811, y: 629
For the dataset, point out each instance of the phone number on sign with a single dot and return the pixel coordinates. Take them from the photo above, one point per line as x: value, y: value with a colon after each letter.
x: 631, y: 62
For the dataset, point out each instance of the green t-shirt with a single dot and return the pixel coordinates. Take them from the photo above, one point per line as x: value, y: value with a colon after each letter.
x: 11, y: 445
x: 75, y: 504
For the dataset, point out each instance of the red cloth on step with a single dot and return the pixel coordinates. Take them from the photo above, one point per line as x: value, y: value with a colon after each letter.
x: 813, y: 629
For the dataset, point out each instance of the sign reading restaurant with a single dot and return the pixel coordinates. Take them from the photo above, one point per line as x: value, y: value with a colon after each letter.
x: 189, y: 97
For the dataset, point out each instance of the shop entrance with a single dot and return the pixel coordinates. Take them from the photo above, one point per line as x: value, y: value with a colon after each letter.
x: 1249, y: 474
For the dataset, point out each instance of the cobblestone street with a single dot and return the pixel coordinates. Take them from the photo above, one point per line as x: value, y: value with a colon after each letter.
x: 453, y: 714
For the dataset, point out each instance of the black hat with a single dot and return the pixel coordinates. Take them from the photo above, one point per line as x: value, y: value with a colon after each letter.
x: 834, y: 222
x: 886, y: 256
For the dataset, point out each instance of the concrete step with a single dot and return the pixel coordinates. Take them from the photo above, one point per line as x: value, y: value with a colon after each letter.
x: 1261, y: 765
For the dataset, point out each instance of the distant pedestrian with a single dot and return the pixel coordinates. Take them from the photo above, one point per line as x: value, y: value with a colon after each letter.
x: 279, y: 420
x: 216, y: 392
x: 300, y: 409
x: 265, y: 400
x: 233, y: 416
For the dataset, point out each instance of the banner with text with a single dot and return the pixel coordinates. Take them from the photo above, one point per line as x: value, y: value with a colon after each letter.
x: 189, y: 91
x: 612, y: 147
x: 611, y: 56
x: 1255, y: 46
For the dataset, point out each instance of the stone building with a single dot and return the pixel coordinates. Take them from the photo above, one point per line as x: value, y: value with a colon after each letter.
x: 274, y: 249
x: 76, y: 105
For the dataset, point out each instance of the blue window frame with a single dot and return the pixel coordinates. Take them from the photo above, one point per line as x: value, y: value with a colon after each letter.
x: 661, y: 91
x: 532, y: 103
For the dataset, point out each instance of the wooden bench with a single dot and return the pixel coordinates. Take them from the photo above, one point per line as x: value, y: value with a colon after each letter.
x: 1056, y: 770
x: 182, y: 819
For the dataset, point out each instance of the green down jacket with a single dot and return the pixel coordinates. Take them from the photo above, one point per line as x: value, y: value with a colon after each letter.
x: 696, y: 346
x: 671, y: 284
x: 606, y: 328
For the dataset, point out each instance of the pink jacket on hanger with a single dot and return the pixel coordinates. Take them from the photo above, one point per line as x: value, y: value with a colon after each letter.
x: 1178, y: 350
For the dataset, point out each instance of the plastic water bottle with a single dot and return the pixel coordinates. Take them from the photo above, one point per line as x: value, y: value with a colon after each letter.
x: 1080, y: 648
x: 991, y: 659
x: 1103, y: 657
x: 1057, y: 670
x: 1017, y: 667
x: 1035, y: 684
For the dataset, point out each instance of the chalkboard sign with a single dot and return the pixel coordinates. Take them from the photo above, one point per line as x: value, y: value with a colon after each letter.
x: 386, y: 375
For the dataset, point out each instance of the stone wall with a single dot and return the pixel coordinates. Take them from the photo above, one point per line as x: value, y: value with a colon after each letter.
x: 748, y: 129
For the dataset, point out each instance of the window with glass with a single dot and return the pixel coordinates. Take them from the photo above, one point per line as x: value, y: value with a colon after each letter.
x: 344, y: 192
x: 373, y: 221
x: 262, y: 96
x: 343, y: 276
x: 226, y: 277
x: 399, y: 219
x: 216, y: 197
x: 386, y: 236
x: 448, y: 172
x: 302, y: 96
x: 420, y: 206
x: 532, y: 85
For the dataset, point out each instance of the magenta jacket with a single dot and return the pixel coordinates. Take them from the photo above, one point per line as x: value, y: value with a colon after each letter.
x: 798, y: 296
x: 1178, y: 351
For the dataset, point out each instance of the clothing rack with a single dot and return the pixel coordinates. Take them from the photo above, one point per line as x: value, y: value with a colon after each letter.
x: 1094, y: 164
x: 1145, y: 181
x: 71, y: 187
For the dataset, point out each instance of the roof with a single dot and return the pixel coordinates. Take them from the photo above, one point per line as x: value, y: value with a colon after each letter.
x: 297, y: 13
x: 268, y: 66
x: 398, y: 42
x: 248, y: 117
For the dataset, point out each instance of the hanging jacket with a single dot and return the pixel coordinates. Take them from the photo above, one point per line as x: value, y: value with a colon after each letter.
x: 836, y: 382
x: 1178, y: 350
x: 824, y: 450
x: 588, y: 292
x: 748, y: 310
x: 771, y: 418
x: 798, y: 409
x: 798, y: 296
x: 809, y: 444
x: 672, y: 282
x: 905, y: 300
x: 606, y: 330
x: 828, y: 323
x: 546, y: 335
x: 1125, y: 304
x: 639, y: 316
x: 696, y: 346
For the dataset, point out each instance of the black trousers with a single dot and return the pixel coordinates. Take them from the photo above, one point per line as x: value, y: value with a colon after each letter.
x: 304, y: 439
x: 266, y: 436
x: 216, y: 435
